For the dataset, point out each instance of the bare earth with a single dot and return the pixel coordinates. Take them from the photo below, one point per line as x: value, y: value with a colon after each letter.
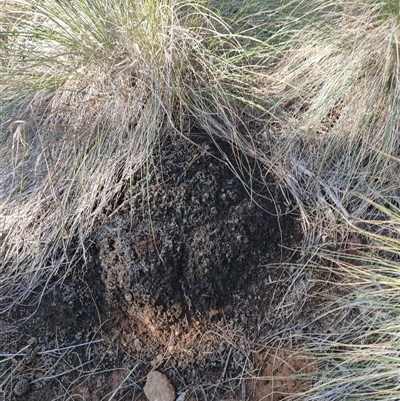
x: 187, y: 275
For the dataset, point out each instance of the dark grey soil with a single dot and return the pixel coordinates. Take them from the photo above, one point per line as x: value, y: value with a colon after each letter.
x: 195, y: 240
x: 185, y: 274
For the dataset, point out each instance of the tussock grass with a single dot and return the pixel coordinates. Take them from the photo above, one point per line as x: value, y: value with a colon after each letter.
x: 338, y: 91
x: 336, y: 82
x: 359, y: 357
x: 88, y: 89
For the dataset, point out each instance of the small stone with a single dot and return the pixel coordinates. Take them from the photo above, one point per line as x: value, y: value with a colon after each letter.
x: 137, y: 344
x: 22, y: 387
x: 158, y: 387
x: 157, y: 360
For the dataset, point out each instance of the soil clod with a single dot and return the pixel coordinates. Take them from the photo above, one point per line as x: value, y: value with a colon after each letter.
x: 158, y: 387
x: 22, y: 387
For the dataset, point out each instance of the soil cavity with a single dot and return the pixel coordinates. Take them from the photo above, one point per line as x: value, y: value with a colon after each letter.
x: 195, y: 239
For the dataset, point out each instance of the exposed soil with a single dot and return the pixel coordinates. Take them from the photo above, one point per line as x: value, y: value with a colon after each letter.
x: 188, y: 274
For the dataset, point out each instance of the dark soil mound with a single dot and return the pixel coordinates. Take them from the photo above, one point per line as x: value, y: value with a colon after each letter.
x: 187, y: 275
x: 195, y: 240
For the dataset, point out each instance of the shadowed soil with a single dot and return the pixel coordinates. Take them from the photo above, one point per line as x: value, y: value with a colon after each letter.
x: 188, y: 274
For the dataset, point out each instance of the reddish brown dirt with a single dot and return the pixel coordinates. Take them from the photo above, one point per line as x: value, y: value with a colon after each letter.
x: 276, y: 378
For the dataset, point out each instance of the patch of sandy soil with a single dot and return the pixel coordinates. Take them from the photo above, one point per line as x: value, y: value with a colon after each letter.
x: 191, y: 274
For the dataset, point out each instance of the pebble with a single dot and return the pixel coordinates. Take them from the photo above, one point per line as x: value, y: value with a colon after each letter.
x: 158, y: 387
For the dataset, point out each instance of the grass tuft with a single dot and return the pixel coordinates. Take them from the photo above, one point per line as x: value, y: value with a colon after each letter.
x: 338, y: 95
x: 88, y: 89
x: 360, y: 357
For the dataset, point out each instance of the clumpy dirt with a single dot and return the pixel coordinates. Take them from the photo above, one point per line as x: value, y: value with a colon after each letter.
x: 188, y: 274
x: 195, y: 242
